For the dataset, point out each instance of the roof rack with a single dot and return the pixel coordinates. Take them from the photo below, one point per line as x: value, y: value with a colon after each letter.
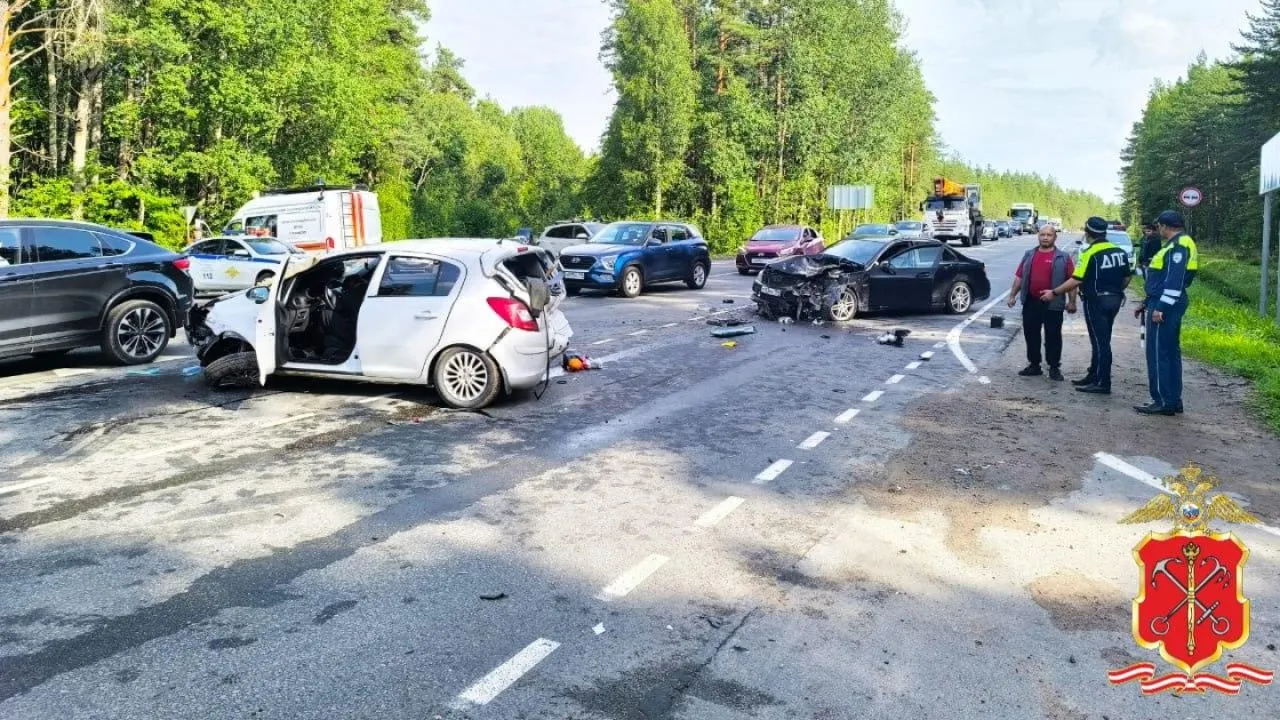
x: 318, y: 187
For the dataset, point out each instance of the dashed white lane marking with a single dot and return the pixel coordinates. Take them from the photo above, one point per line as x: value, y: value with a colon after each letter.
x: 914, y: 366
x: 844, y: 417
x: 286, y: 421
x: 719, y: 512
x: 895, y: 379
x: 984, y: 380
x: 376, y: 398
x: 696, y: 319
x: 939, y: 346
x: 1147, y: 478
x: 171, y: 358
x: 631, y: 579
x: 598, y: 629
x: 602, y: 342
x: 814, y: 440
x: 72, y: 372
x: 669, y: 325
x: 926, y: 355
x: 505, y: 675
x: 772, y: 472
x: 18, y: 487
x: 953, y: 337
x: 873, y: 396
x: 638, y: 332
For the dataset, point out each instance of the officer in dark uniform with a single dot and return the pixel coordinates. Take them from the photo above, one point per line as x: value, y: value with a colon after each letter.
x: 1101, y: 276
x: 1171, y: 272
x: 1151, y: 243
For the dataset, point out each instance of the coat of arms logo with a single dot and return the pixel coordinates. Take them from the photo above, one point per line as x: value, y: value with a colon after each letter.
x: 1190, y: 604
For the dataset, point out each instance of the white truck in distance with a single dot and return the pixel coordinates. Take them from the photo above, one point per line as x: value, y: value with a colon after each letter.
x: 1024, y: 217
x: 316, y: 219
x: 954, y: 212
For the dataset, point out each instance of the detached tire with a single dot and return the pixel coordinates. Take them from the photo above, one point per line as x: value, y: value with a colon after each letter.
x: 697, y: 275
x: 136, y: 332
x: 237, y: 370
x: 466, y: 379
x: 631, y: 283
x: 959, y: 297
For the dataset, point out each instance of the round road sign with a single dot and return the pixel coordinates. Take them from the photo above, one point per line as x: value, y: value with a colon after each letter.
x: 1190, y: 197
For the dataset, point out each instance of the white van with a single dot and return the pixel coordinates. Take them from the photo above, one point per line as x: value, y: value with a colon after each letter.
x: 318, y: 219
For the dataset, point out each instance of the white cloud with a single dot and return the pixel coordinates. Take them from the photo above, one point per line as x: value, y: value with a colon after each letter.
x: 1051, y: 86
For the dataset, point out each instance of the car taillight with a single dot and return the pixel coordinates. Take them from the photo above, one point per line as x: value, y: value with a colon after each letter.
x: 329, y: 243
x: 515, y: 313
x: 182, y: 263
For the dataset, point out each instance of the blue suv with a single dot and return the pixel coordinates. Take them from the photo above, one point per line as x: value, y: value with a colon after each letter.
x: 631, y: 255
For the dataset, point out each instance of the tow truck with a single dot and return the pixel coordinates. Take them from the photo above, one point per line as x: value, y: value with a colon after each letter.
x: 954, y: 212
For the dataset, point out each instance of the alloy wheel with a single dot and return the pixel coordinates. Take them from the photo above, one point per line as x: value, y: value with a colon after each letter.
x: 961, y: 298
x: 699, y: 275
x: 631, y: 283
x: 846, y: 306
x: 466, y: 376
x: 141, y: 332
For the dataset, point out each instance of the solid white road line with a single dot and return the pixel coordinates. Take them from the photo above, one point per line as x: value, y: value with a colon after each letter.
x: 602, y: 342
x: 895, y: 379
x: 638, y: 332
x: 844, y: 417
x: 631, y: 579
x: 953, y: 337
x: 814, y: 440
x: 505, y: 675
x: 914, y: 366
x: 772, y: 472
x: 1147, y: 478
x: 873, y: 396
x: 719, y: 512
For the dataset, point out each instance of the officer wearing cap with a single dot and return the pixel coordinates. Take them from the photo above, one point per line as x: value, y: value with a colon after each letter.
x: 1101, y: 278
x: 1170, y: 273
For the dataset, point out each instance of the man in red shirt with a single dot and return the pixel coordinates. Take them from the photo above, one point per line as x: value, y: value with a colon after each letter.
x: 1044, y: 267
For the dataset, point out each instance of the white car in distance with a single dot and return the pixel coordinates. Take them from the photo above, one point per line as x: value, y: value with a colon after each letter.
x: 472, y: 318
x: 227, y: 264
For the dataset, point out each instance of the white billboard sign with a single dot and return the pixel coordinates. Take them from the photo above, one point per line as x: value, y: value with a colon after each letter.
x: 850, y: 197
x: 1270, y: 166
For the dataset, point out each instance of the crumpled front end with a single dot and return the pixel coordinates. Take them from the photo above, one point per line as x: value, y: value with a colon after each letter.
x: 804, y: 287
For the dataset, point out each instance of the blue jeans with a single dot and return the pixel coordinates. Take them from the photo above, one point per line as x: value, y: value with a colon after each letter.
x: 1164, y: 356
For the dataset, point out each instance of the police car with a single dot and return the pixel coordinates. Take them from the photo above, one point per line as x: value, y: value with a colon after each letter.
x: 227, y: 264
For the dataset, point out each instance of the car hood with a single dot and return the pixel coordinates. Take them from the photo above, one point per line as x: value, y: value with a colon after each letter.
x: 768, y: 246
x: 597, y: 249
x: 812, y: 265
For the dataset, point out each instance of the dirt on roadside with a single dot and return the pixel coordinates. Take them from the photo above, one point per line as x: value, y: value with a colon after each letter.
x: 986, y: 455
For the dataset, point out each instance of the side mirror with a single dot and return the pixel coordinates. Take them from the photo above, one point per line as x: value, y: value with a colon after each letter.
x: 884, y: 266
x: 239, y: 254
x: 582, y: 236
x: 258, y: 294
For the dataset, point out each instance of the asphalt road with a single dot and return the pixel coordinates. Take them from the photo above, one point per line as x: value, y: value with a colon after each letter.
x: 668, y: 537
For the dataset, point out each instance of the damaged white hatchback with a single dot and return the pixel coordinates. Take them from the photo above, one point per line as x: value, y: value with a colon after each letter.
x: 473, y: 318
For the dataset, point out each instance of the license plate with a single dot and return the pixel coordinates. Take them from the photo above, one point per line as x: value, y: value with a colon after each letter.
x: 770, y: 291
x: 760, y: 261
x: 570, y: 275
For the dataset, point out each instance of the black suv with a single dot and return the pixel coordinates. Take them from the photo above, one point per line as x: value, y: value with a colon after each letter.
x: 65, y: 285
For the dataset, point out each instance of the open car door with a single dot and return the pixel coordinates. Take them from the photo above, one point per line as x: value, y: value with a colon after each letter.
x: 269, y: 343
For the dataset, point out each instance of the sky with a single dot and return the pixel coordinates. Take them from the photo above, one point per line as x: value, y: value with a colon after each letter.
x: 1047, y: 86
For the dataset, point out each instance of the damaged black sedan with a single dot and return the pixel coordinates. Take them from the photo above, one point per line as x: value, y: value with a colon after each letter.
x: 859, y: 276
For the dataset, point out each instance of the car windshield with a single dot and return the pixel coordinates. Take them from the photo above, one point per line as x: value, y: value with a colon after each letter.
x: 1120, y: 239
x: 1021, y: 214
x: 623, y: 234
x: 268, y: 247
x: 859, y: 251
x: 783, y: 234
x: 909, y: 226
x: 871, y: 230
x: 935, y: 204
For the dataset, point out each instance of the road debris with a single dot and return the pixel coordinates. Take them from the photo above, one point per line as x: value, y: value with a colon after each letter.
x: 997, y: 321
x: 577, y: 362
x: 734, y: 331
x: 192, y: 371
x: 728, y: 301
x: 894, y: 337
x: 726, y: 322
x: 598, y: 629
x: 785, y: 320
x: 494, y: 596
x: 731, y: 344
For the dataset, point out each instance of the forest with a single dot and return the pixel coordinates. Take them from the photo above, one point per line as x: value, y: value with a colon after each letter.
x: 1207, y: 130
x: 729, y: 113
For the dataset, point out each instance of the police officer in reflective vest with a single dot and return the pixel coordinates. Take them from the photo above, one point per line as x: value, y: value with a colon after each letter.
x: 1170, y: 273
x: 1101, y: 278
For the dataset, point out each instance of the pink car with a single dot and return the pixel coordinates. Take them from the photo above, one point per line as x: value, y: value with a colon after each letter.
x: 777, y: 241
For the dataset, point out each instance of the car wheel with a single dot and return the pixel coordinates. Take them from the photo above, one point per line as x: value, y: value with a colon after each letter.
x: 697, y: 276
x: 845, y: 307
x: 466, y: 379
x: 572, y: 291
x: 959, y: 297
x: 237, y: 370
x: 744, y: 271
x: 632, y: 282
x: 136, y: 332
x: 264, y: 276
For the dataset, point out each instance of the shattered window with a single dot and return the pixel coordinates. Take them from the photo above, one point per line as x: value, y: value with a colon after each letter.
x: 417, y: 277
